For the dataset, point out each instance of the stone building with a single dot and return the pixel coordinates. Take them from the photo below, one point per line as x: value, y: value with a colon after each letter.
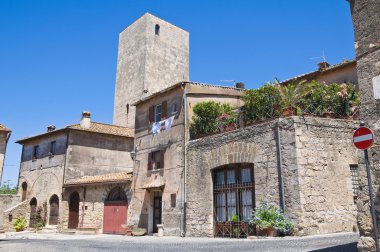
x: 5, y: 134
x: 153, y: 54
x: 73, y: 175
x: 176, y: 179
x: 366, y: 21
x: 344, y: 72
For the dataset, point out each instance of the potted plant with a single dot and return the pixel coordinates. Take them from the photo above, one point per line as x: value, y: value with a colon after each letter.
x: 292, y: 95
x: 128, y: 229
x: 138, y: 231
x: 270, y: 221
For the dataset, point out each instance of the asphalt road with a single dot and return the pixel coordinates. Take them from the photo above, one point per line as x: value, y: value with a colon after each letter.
x: 83, y: 243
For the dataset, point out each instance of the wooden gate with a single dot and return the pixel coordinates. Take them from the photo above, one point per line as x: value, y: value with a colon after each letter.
x: 33, y: 213
x: 74, y: 210
x: 115, y: 215
x: 54, y: 210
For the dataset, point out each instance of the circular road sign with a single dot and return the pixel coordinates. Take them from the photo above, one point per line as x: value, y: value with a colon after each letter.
x: 363, y: 138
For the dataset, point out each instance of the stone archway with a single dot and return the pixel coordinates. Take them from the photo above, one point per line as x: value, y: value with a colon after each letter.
x: 54, y: 210
x: 33, y: 212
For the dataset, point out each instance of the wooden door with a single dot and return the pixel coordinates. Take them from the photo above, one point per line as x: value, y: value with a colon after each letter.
x: 33, y: 213
x: 115, y: 215
x: 54, y: 210
x: 74, y: 210
x: 157, y: 212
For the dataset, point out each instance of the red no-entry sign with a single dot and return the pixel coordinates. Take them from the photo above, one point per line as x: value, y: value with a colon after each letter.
x: 363, y: 138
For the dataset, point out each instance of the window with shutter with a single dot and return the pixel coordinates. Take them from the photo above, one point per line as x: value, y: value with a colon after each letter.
x: 150, y: 161
x: 156, y: 160
x: 151, y: 114
x: 164, y: 110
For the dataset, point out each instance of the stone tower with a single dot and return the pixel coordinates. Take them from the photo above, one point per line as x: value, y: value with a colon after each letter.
x: 4, y: 137
x: 153, y: 55
x: 366, y: 21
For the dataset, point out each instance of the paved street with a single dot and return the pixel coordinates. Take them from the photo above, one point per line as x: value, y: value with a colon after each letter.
x: 59, y: 242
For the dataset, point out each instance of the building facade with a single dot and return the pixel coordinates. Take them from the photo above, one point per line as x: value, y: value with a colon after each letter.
x: 5, y: 134
x: 366, y: 21
x: 69, y: 177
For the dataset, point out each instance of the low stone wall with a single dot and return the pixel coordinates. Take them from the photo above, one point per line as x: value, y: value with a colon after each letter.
x: 7, y: 201
x: 316, y: 158
x: 10, y: 215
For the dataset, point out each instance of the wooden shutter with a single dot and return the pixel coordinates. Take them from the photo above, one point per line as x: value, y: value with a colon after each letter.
x: 173, y: 199
x: 151, y: 114
x: 149, y: 161
x: 162, y: 152
x: 164, y: 110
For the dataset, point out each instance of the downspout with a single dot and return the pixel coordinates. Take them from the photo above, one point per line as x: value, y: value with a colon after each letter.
x: 83, y: 205
x: 279, y: 166
x: 183, y: 212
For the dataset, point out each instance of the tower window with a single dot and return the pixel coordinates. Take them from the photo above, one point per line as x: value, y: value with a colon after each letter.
x: 157, y: 30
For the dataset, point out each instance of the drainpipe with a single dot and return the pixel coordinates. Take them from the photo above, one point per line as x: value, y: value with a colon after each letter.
x: 84, y: 202
x: 279, y: 166
x: 183, y: 212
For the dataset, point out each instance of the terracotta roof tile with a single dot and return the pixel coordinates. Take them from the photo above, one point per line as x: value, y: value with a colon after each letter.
x: 3, y: 128
x: 105, y: 178
x: 106, y: 129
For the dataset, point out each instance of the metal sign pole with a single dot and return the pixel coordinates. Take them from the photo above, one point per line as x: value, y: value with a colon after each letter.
x: 374, y: 222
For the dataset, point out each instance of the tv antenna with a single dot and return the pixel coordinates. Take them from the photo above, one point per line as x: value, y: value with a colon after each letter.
x: 231, y: 81
x: 323, y: 57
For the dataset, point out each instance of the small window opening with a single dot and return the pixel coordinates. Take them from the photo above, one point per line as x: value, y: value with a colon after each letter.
x: 173, y: 199
x: 127, y: 108
x: 35, y: 152
x: 52, y: 148
x: 157, y: 30
x: 157, y: 113
x: 174, y: 108
x: 355, y: 181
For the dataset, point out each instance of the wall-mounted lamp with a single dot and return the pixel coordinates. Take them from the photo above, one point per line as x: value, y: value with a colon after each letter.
x: 133, y: 155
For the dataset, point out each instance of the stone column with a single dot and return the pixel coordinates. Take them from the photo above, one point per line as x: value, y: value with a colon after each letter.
x: 366, y: 21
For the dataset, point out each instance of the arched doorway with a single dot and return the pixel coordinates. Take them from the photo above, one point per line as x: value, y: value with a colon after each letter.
x: 24, y: 187
x: 115, y: 211
x: 234, y: 200
x: 33, y: 212
x: 74, y: 210
x: 54, y: 210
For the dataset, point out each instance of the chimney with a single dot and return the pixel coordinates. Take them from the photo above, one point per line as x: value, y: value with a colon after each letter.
x: 85, y: 122
x: 240, y: 85
x: 323, y: 65
x: 50, y: 128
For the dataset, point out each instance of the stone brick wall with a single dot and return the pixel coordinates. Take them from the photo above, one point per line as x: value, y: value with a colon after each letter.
x: 6, y: 202
x: 366, y: 21
x: 91, y: 205
x: 316, y: 154
x: 148, y: 62
x: 10, y: 215
x: 3, y: 146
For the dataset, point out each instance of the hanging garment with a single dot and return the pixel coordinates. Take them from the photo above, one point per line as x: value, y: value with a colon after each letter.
x: 169, y: 123
x: 156, y: 128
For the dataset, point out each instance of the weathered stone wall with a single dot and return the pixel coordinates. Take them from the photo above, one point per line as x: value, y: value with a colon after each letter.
x: 90, y: 154
x: 324, y: 155
x: 21, y: 210
x: 6, y: 202
x: 3, y: 147
x: 255, y: 144
x: 315, y: 164
x: 366, y: 21
x: 148, y: 62
x: 91, y: 205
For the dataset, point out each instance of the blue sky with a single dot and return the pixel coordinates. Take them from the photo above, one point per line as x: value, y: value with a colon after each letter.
x: 58, y: 58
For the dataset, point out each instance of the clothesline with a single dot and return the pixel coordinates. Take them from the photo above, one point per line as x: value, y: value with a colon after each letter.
x: 163, y: 125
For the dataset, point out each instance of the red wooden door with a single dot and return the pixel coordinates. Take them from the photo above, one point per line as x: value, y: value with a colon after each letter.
x: 115, y: 215
x: 74, y: 210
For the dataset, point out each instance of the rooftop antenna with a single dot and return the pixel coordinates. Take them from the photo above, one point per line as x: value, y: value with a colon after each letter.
x: 320, y: 57
x: 231, y: 81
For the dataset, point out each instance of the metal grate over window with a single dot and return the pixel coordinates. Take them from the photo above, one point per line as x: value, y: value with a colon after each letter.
x: 355, y: 180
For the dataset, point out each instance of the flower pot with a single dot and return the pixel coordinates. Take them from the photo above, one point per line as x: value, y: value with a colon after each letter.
x: 139, y: 232
x: 289, y: 111
x: 271, y: 232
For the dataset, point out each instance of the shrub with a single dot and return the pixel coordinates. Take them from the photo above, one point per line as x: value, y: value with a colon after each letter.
x: 20, y: 224
x: 268, y: 216
x: 262, y: 103
x: 208, y: 116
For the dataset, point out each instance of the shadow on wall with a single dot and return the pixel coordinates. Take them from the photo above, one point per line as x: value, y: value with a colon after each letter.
x: 351, y: 247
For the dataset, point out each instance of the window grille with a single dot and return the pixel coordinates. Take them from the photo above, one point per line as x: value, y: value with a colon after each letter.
x: 355, y: 180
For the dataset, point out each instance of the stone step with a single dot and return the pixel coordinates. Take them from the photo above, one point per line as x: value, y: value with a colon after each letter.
x: 2, y: 230
x: 69, y: 231
x: 87, y: 230
x: 50, y: 229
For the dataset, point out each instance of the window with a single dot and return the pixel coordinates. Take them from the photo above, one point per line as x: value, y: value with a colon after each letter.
x: 174, y: 108
x: 52, y: 147
x: 173, y: 199
x: 156, y: 160
x: 157, y: 113
x: 35, y: 152
x: 233, y: 192
x: 157, y: 30
x: 355, y: 180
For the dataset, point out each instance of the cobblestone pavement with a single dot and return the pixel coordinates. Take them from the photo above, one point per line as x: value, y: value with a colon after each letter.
x: 31, y: 242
